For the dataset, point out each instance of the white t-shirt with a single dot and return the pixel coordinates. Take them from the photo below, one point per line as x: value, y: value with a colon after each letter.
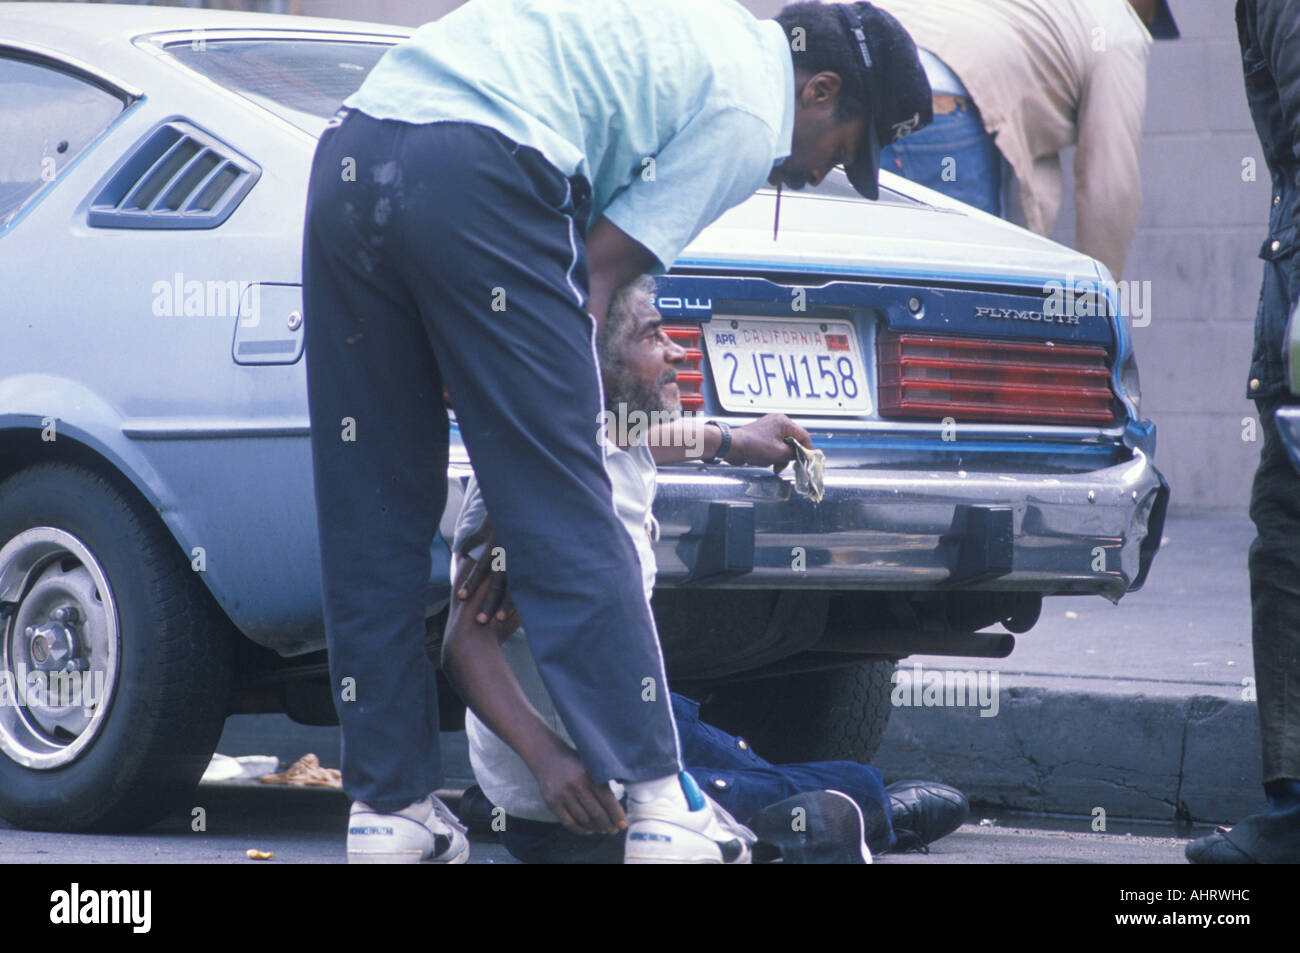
x: 501, y: 773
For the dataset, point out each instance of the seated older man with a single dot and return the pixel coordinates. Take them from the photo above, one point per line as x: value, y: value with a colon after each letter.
x: 521, y: 753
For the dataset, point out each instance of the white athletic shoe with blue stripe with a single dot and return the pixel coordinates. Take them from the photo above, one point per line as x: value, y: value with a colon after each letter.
x: 425, y: 832
x: 662, y: 831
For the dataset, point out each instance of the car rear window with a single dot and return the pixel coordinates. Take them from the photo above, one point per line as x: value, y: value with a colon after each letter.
x: 306, y: 80
x: 49, y: 117
x: 303, y: 81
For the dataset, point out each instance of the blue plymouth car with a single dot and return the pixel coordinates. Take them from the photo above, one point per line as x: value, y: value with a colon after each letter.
x: 973, y: 385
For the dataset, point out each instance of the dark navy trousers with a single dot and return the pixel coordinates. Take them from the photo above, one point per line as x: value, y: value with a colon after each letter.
x: 1274, y: 563
x: 441, y: 256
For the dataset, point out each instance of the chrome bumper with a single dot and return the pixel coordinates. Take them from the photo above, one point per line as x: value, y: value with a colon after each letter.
x: 905, y: 530
x: 745, y: 528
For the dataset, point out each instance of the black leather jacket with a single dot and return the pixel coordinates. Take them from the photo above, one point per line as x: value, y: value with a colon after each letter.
x: 1269, y: 33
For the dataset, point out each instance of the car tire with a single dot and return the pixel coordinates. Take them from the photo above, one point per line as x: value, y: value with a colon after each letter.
x: 138, y: 735
x: 833, y: 715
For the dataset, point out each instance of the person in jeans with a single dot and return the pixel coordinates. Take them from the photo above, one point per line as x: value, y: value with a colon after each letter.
x: 469, y: 213
x: 1020, y: 81
x: 955, y: 139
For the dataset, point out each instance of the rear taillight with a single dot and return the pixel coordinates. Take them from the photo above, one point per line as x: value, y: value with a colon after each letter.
x: 690, y: 375
x: 927, y: 377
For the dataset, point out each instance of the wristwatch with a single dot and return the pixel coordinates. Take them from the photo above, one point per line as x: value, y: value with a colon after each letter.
x: 723, y: 447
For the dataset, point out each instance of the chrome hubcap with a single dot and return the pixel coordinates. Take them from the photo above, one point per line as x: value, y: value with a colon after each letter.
x: 58, y: 648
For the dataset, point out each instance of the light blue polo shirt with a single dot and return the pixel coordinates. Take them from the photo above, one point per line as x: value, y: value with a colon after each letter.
x: 673, y: 110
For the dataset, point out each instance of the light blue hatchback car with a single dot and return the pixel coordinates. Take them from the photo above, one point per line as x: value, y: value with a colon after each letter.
x: 973, y: 385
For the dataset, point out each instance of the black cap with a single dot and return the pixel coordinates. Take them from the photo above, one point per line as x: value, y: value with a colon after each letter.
x: 896, y: 87
x: 816, y: 827
x: 1163, y: 27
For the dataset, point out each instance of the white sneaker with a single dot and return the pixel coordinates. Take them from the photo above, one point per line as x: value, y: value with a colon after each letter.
x: 666, y: 831
x: 425, y: 832
x: 730, y: 824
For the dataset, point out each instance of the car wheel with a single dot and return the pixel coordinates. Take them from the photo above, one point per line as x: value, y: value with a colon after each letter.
x: 834, y: 715
x: 115, y: 661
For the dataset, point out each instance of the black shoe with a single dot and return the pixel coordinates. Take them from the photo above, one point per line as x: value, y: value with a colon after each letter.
x: 1271, y: 837
x: 924, y: 811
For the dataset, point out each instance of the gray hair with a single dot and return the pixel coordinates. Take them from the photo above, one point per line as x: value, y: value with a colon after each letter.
x: 627, y: 302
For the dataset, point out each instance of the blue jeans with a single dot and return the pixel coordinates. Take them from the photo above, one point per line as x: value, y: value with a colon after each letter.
x: 735, y: 776
x: 952, y: 155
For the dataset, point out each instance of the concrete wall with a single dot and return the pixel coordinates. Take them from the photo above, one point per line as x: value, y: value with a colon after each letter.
x: 1197, y: 243
x: 1198, y: 236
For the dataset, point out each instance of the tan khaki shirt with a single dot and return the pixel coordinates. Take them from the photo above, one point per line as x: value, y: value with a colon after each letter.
x: 1045, y: 75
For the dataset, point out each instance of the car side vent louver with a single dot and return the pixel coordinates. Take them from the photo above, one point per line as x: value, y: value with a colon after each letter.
x: 177, y: 177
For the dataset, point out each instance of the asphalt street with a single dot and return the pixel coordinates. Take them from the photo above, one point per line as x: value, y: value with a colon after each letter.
x: 1144, y: 709
x: 1136, y: 708
x: 305, y: 826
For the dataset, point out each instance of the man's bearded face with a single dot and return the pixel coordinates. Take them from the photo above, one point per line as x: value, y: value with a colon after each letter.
x: 661, y: 395
x: 639, y: 361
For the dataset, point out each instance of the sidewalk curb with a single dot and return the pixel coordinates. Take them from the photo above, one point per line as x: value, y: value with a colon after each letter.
x: 1069, y: 746
x: 1060, y: 745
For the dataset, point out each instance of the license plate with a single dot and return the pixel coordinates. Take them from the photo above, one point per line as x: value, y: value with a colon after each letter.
x: 775, y: 365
